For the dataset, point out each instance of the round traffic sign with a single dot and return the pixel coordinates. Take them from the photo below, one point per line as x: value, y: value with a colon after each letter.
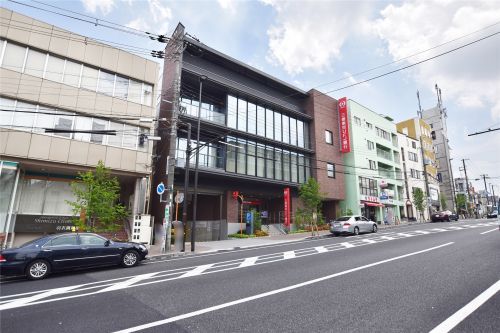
x: 179, y: 198
x: 160, y: 188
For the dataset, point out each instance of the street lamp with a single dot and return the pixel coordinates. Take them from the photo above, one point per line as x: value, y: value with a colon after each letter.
x: 195, y: 198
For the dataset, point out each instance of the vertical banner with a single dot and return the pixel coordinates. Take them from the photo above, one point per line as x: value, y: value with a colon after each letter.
x: 286, y: 205
x: 345, y: 144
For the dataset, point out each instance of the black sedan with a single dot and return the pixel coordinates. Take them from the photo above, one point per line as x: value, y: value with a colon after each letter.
x: 444, y: 215
x: 38, y: 258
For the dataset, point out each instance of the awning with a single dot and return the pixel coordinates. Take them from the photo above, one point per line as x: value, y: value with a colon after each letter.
x: 374, y: 204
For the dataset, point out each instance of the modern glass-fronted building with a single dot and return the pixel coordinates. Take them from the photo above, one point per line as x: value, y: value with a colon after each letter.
x: 257, y: 137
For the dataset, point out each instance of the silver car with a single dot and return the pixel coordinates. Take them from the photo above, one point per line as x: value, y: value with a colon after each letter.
x: 352, y: 225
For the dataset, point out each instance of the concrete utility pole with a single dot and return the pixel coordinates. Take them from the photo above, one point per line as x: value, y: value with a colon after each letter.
x: 466, y: 180
x: 428, y: 194
x: 494, y: 198
x: 186, y: 186
x: 485, y: 190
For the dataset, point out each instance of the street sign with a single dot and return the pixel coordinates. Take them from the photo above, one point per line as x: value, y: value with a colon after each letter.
x: 249, y: 217
x: 160, y: 188
x: 179, y: 198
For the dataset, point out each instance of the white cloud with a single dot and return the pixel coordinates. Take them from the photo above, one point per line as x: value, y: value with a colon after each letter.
x: 310, y: 35
x: 139, y: 24
x: 104, y: 6
x: 158, y: 11
x: 156, y: 20
x: 470, y: 76
x: 229, y: 5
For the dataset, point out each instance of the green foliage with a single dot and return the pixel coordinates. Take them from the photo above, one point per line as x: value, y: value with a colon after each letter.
x: 238, y: 235
x: 310, y: 195
x: 419, y: 200
x: 96, y: 201
x: 347, y: 212
x: 257, y: 220
x: 301, y: 218
x: 461, y: 202
x: 442, y: 198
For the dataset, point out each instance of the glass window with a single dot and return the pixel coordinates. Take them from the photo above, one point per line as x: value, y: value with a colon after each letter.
x: 64, y: 121
x: 232, y: 104
x: 56, y: 194
x: 261, y: 121
x: 269, y: 162
x: 130, y: 137
x: 308, y: 167
x: 241, y: 159
x: 91, y: 240
x: 329, y: 137
x: 371, y: 145
x: 98, y: 125
x: 66, y: 240
x: 121, y: 87
x: 82, y: 124
x: 251, y: 155
x: 277, y: 126
x: 261, y: 160
x: 7, y: 113
x: 54, y: 70
x: 106, y: 83
x: 135, y: 91
x: 306, y: 136
x: 293, y: 165
x: 269, y: 124
x: 32, y: 196
x: 147, y: 98
x: 242, y: 115
x: 301, y: 165
x: 330, y: 170
x: 286, y: 129
x: 72, y: 73
x: 231, y: 154
x: 252, y: 118
x: 89, y: 78
x: 278, y: 164
x: 24, y: 119
x: 35, y: 63
x: 300, y: 134
x: 293, y: 131
x: 13, y: 58
x: 115, y: 140
x: 44, y: 120
x: 286, y: 165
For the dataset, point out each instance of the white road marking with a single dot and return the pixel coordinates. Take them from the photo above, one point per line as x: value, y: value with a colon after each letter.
x: 369, y: 241
x: 423, y: 232
x: 488, y: 231
x: 455, y: 228
x: 248, y: 262
x: 347, y: 245
x: 289, y: 255
x: 464, y: 312
x: 270, y: 293
x: 438, y: 229
x: 387, y: 238
x: 404, y: 235
x: 197, y: 271
x: 321, y: 249
x: 26, y: 300
x: 129, y: 282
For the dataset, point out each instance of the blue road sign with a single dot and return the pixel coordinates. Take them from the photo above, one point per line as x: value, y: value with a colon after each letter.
x: 160, y: 188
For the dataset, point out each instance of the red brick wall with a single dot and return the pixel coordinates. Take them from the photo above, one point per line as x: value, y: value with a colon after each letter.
x: 324, y: 111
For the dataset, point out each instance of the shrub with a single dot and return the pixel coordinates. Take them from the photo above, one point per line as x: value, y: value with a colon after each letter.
x: 260, y: 233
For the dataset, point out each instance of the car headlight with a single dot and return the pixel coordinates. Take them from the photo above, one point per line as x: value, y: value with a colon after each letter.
x: 142, y: 247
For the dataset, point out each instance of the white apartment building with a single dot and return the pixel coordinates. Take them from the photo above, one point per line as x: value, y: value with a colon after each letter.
x: 54, y: 79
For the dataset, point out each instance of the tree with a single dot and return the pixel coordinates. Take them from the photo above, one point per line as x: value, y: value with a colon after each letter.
x: 419, y: 200
x: 311, y: 197
x: 442, y: 198
x: 96, y: 200
x: 461, y: 201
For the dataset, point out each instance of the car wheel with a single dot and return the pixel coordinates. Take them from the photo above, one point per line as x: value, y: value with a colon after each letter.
x: 38, y: 269
x: 374, y: 229
x: 447, y: 219
x: 130, y: 259
x: 356, y: 231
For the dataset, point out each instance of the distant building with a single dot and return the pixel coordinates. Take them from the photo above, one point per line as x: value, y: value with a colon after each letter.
x: 419, y: 130
x: 374, y: 182
x: 57, y: 80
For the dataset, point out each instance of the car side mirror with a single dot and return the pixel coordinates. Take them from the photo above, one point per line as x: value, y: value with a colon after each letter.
x: 107, y: 242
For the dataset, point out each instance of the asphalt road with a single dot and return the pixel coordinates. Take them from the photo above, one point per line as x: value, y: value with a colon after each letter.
x: 436, y: 277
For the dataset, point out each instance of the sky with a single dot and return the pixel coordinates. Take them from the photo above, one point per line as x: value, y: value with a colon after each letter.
x: 329, y: 45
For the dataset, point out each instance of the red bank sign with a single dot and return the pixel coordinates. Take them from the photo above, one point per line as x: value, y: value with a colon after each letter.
x: 286, y: 204
x: 345, y: 144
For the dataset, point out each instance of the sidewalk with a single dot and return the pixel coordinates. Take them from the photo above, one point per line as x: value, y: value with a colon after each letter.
x: 241, y: 243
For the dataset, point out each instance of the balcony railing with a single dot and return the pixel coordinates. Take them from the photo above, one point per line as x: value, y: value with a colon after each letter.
x: 386, y: 173
x: 206, y: 114
x: 384, y: 154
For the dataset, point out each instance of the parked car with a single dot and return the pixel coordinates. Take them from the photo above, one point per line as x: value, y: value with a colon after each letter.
x: 352, y: 225
x: 493, y: 214
x: 444, y: 215
x: 38, y: 258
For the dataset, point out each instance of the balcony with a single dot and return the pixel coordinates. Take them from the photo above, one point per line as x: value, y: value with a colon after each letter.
x: 384, y: 154
x: 385, y: 173
x: 216, y: 116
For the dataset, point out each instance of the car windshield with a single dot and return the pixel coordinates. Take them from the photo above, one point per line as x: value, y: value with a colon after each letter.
x: 343, y: 218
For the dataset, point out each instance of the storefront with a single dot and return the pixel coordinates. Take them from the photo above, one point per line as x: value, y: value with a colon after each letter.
x: 371, y: 207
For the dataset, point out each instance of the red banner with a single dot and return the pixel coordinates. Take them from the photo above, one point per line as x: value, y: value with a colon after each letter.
x: 286, y: 205
x: 345, y: 144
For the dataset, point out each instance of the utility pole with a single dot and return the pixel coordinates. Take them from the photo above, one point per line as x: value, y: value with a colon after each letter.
x: 494, y: 198
x: 485, y: 190
x: 428, y: 194
x: 452, y: 183
x: 186, y: 185
x: 466, y: 181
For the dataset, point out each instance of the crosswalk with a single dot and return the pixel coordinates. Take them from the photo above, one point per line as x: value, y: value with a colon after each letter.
x: 88, y: 289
